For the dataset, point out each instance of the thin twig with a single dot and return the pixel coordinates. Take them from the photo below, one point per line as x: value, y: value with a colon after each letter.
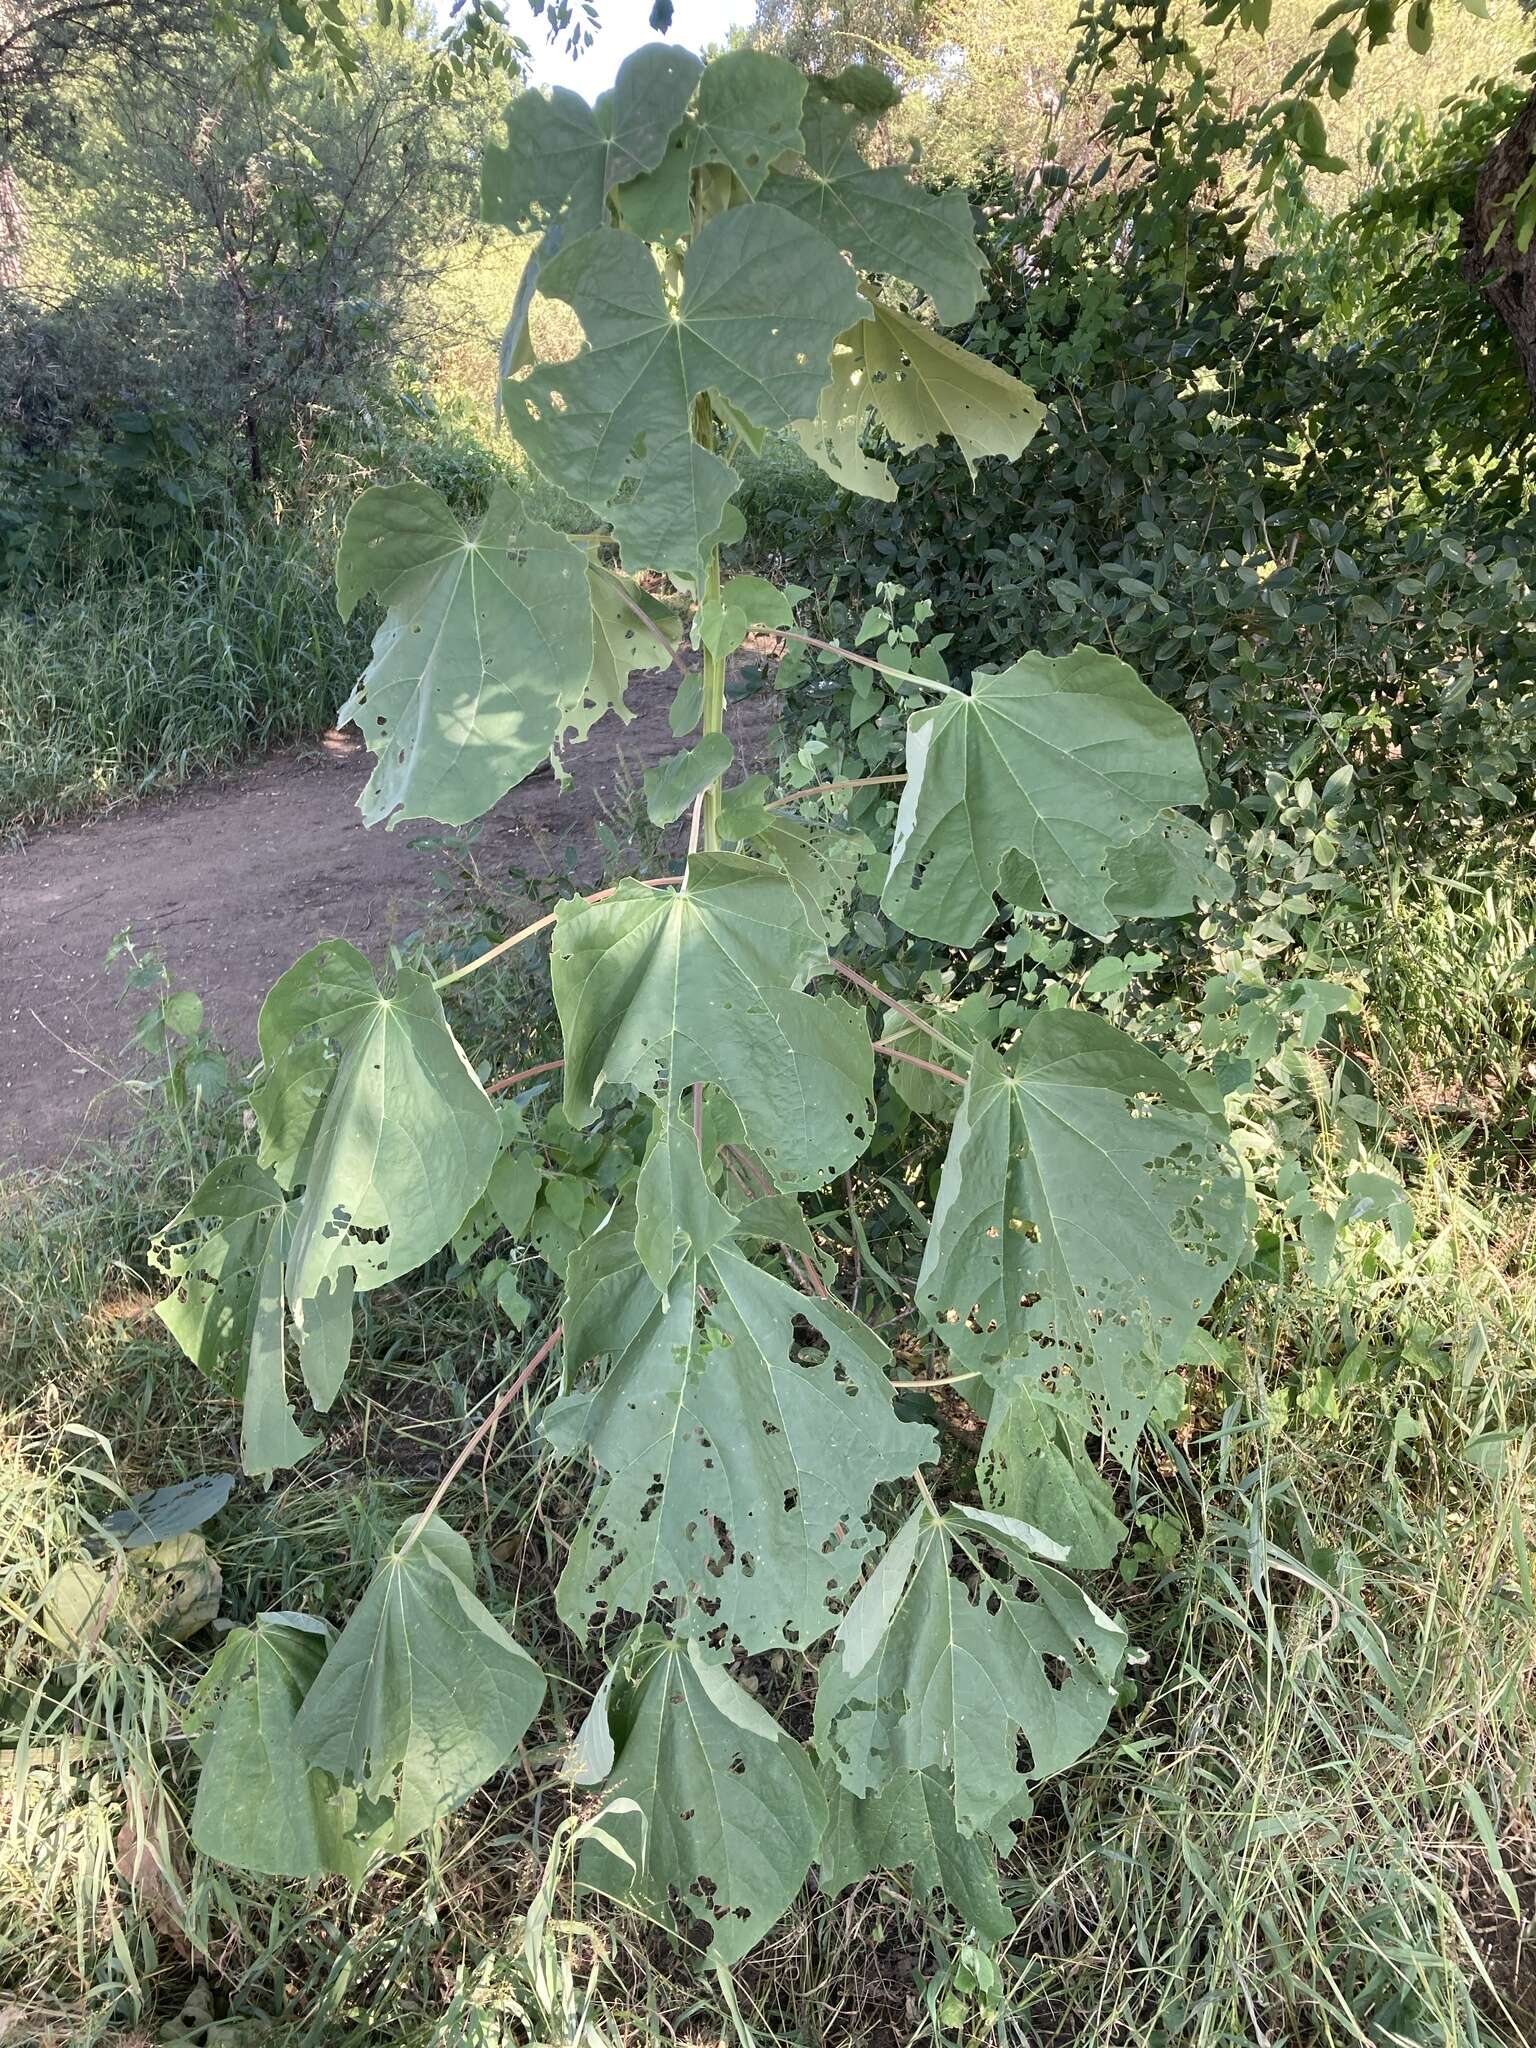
x: 932, y: 1030
x: 503, y: 1401
x: 825, y: 789
x: 901, y: 675
x: 542, y: 924
x: 511, y: 1080
x: 894, y: 1052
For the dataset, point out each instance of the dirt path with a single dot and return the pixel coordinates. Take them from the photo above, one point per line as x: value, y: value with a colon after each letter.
x: 231, y: 880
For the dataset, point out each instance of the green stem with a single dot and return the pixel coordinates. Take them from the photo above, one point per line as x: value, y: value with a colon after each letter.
x: 714, y: 715
x: 714, y: 664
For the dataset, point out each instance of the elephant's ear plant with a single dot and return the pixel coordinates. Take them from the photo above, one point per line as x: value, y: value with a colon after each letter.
x: 736, y: 266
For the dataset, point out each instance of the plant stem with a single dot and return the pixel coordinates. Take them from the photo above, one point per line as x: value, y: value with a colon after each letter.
x: 931, y: 1030
x: 901, y: 675
x: 502, y: 1402
x: 542, y: 924
x: 894, y: 1052
x: 825, y: 789
x: 528, y: 1074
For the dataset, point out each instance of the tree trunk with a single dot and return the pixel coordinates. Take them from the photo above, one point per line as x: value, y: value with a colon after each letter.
x: 1490, y: 258
x: 13, y: 230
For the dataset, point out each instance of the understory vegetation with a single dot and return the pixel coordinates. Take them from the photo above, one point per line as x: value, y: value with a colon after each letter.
x: 1281, y: 467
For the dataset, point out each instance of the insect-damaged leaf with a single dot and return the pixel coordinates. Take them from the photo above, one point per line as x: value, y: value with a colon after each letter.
x: 227, y: 1252
x: 487, y: 637
x: 659, y: 988
x: 1089, y: 1210
x: 1034, y: 1468
x: 910, y: 1820
x: 259, y: 1804
x: 369, y: 1104
x: 613, y: 425
x: 885, y: 220
x: 730, y: 1813
x: 920, y: 388
x: 1033, y: 782
x: 934, y: 1672
x: 747, y: 113
x: 561, y: 157
x: 741, y: 1456
x: 424, y: 1694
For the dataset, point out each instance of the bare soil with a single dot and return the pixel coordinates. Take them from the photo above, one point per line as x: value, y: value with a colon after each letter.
x: 231, y: 880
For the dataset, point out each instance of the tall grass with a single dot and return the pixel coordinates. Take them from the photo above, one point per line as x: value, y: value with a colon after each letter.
x: 125, y: 684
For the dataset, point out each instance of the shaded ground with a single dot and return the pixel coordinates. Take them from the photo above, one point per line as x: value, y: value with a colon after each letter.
x: 231, y: 880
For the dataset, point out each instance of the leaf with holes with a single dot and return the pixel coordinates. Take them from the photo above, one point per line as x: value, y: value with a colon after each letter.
x: 1089, y: 1211
x: 920, y: 388
x: 824, y: 863
x: 747, y: 114
x: 657, y: 989
x: 1034, y: 1468
x: 1036, y: 778
x: 487, y: 637
x: 369, y: 1103
x: 934, y: 1671
x: 424, y: 1694
x: 259, y: 1806
x: 1168, y: 871
x: 230, y: 1308
x: 561, y: 157
x: 633, y: 633
x: 729, y: 1811
x: 613, y: 425
x: 883, y: 219
x: 741, y: 1457
x: 910, y: 1821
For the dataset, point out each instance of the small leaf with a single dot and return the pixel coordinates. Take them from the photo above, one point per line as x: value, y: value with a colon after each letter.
x: 672, y: 785
x: 166, y: 1511
x: 361, y: 1088
x: 729, y: 1813
x: 1033, y: 1468
x: 424, y: 1694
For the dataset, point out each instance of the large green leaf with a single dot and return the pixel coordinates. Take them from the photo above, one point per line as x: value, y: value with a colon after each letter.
x: 743, y: 1427
x: 369, y: 1103
x: 660, y: 988
x: 911, y: 1820
x: 730, y: 1812
x: 561, y: 157
x: 920, y: 388
x: 613, y: 425
x: 227, y: 1252
x: 885, y: 220
x: 424, y: 1694
x: 487, y: 637
x: 1033, y: 781
x: 259, y: 1805
x: 937, y: 1672
x: 1089, y: 1211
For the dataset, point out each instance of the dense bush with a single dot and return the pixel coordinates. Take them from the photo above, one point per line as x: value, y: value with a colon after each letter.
x: 1318, y: 545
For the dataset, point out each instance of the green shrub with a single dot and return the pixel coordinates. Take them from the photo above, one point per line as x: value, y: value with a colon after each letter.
x: 1318, y: 548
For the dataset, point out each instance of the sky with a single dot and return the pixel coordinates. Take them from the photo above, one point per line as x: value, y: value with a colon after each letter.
x: 625, y: 26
